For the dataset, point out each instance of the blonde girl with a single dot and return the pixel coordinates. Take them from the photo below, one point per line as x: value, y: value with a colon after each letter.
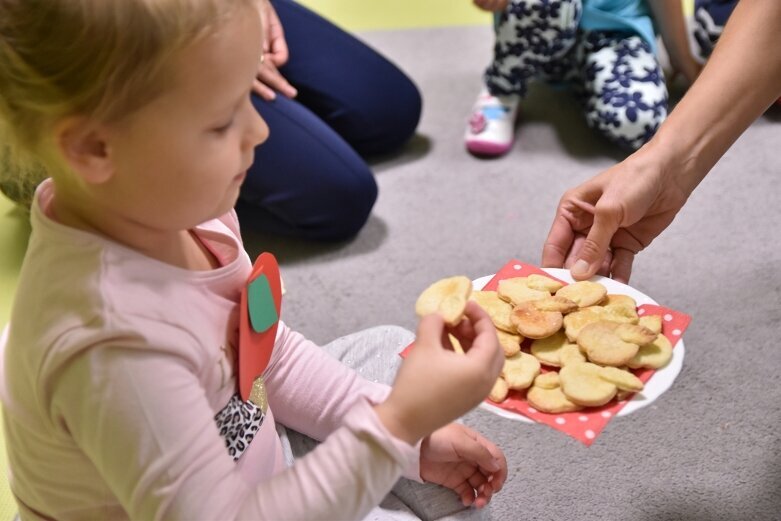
x: 118, y: 377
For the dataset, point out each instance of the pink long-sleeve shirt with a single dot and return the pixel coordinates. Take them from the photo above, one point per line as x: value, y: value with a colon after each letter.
x: 115, y: 365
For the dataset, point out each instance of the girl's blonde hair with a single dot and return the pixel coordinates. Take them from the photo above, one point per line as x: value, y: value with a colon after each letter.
x: 99, y: 58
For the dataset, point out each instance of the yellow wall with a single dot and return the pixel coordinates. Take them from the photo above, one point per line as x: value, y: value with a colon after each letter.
x: 394, y: 14
x: 398, y: 14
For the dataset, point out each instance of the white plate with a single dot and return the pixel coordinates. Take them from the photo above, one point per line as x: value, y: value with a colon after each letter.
x: 659, y: 382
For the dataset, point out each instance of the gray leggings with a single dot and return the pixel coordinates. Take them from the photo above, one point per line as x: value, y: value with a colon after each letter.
x: 374, y: 353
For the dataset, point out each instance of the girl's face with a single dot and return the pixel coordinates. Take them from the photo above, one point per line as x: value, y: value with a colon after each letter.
x: 181, y: 159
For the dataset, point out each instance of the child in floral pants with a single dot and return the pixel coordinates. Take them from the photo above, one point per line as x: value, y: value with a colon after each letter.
x: 605, y: 50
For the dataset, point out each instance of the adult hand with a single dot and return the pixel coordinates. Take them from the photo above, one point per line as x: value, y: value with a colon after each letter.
x: 462, y: 460
x: 603, y: 223
x: 627, y: 206
x: 492, y: 5
x: 269, y: 81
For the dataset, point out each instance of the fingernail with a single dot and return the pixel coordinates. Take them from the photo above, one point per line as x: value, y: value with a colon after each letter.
x: 494, y: 465
x: 580, y: 268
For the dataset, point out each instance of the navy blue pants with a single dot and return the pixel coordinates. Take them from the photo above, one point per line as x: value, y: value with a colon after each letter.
x: 310, y: 180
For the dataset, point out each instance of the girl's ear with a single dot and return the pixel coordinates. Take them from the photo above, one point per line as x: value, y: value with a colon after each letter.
x: 84, y: 147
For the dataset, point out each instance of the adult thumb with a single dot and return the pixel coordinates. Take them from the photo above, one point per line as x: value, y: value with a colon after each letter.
x: 594, y: 248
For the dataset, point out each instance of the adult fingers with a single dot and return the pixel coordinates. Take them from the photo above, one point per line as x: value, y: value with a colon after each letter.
x: 558, y: 243
x: 270, y: 76
x: 574, y: 249
x: 574, y: 256
x: 278, y: 55
x: 607, y: 220
x: 263, y: 91
x: 278, y: 51
x: 607, y: 262
x: 277, y: 44
x: 621, y: 267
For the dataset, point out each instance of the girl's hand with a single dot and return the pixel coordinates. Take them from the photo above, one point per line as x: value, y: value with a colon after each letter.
x: 492, y: 5
x: 435, y: 385
x: 462, y: 460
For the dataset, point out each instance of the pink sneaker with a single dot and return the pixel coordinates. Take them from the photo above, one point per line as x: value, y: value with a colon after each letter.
x: 491, y: 127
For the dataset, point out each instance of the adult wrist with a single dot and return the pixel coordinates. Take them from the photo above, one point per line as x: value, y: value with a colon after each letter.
x: 678, y: 157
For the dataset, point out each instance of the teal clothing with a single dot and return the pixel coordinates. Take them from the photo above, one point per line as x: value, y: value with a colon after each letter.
x: 619, y: 15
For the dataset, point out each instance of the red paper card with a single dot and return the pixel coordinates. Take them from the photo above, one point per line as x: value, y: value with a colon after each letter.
x: 255, y: 345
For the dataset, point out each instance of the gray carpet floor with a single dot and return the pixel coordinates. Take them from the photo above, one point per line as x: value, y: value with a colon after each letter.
x: 709, y: 448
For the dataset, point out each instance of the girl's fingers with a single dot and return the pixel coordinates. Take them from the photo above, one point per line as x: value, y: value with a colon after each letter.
x: 474, y: 452
x: 466, y: 493
x: 430, y: 331
x: 477, y: 480
x: 500, y: 475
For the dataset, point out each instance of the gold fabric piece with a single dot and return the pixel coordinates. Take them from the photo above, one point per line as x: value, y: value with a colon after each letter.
x: 258, y: 394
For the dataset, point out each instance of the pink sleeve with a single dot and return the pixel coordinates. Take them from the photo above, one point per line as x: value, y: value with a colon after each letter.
x: 142, y: 418
x: 368, y: 469
x: 311, y: 392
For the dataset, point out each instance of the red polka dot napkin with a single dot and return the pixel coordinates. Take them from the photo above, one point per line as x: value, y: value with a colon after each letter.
x: 584, y: 425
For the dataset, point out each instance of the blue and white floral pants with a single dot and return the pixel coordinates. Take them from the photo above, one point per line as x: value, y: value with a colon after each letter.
x: 615, y: 74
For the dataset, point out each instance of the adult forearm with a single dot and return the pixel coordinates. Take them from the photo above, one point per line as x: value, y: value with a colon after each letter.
x: 741, y: 79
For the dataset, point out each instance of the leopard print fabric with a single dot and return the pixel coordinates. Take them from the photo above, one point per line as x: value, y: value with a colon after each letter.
x: 238, y: 423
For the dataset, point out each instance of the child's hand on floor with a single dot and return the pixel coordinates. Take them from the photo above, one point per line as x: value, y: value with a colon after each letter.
x: 435, y: 385
x: 460, y: 459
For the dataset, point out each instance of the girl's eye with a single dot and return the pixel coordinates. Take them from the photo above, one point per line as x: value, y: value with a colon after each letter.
x: 223, y: 128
